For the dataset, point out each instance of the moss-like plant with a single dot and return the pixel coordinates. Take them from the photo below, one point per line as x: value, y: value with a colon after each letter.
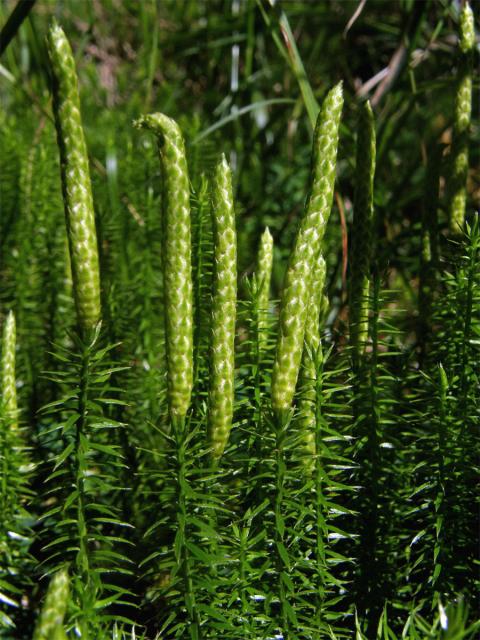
x: 181, y: 464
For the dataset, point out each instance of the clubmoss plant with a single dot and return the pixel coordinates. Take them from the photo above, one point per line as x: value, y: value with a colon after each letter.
x: 360, y: 486
x: 76, y: 185
x: 446, y: 431
x: 8, y: 383
x: 83, y: 527
x: 457, y: 182
x: 440, y: 562
x: 221, y: 394
x: 296, y: 289
x: 50, y: 621
x: 361, y: 245
x: 16, y: 564
x: 293, y: 314
x: 177, y: 259
x: 264, y: 276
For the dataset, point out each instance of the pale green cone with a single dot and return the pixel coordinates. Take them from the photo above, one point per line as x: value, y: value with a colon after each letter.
x: 308, y: 371
x: 222, y: 369
x: 457, y: 179
x: 76, y: 185
x: 177, y: 259
x: 362, y: 231
x: 296, y: 290
x: 264, y: 276
x: 54, y: 608
x: 8, y: 384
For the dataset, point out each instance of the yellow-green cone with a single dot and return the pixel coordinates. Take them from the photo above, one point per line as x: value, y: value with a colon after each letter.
x: 8, y: 385
x: 362, y: 230
x: 457, y: 179
x: 177, y: 259
x: 315, y: 305
x: 222, y: 369
x: 76, y: 185
x: 50, y: 621
x: 308, y: 372
x: 297, y: 284
x: 264, y: 276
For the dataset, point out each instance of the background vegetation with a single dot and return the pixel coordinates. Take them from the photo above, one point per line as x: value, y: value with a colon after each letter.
x: 244, y: 78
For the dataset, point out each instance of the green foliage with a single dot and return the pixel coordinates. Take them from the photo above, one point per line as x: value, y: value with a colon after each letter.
x: 340, y: 500
x: 80, y: 525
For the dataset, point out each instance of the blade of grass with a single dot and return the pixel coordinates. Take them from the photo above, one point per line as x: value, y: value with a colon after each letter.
x: 290, y: 53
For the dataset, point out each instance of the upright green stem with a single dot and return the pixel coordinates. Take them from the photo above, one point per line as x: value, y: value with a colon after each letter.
x: 179, y: 429
x: 373, y: 444
x: 457, y: 180
x: 242, y: 561
x: 440, y: 558
x: 80, y: 469
x: 366, y: 417
x: 8, y: 421
x: 4, y: 495
x: 282, y: 422
x: 365, y: 367
x: 471, y: 278
x: 361, y: 244
x: 319, y: 474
